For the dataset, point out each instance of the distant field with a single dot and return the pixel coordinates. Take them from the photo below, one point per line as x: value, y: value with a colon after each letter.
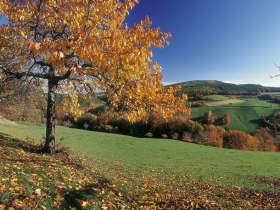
x: 245, y: 112
x: 270, y: 93
x: 224, y: 102
x: 217, y: 98
x: 136, y: 158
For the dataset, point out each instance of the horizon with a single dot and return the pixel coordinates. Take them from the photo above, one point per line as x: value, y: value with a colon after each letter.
x: 239, y: 82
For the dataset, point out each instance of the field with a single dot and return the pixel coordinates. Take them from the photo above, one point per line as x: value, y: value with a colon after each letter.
x: 142, y: 161
x: 245, y: 112
x: 144, y: 155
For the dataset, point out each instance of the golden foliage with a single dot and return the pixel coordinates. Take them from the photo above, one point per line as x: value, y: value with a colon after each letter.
x: 87, y: 46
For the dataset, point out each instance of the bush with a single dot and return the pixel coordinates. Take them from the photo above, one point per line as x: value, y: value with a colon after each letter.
x: 107, y: 118
x: 123, y: 126
x: 209, y: 118
x: 199, y: 104
x: 211, y: 136
x: 85, y: 126
x: 177, y: 125
x: 86, y: 118
x: 140, y: 128
x: 164, y: 136
x: 226, y: 119
x: 240, y: 140
x: 107, y: 128
x: 187, y: 136
x: 149, y: 135
x: 266, y: 140
x: 67, y: 123
x: 175, y: 136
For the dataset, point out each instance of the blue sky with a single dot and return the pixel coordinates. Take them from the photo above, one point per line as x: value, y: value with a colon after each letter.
x: 227, y: 40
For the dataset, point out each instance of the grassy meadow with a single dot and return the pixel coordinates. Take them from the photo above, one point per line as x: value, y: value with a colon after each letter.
x: 125, y: 172
x: 245, y: 112
x: 145, y: 157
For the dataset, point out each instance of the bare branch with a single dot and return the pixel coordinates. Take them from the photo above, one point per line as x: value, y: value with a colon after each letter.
x: 20, y: 75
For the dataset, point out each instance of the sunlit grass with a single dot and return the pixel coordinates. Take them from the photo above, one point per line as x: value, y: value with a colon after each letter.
x: 145, y: 157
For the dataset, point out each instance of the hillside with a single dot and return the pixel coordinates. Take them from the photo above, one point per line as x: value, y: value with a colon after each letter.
x: 246, y: 112
x: 127, y: 172
x: 212, y: 87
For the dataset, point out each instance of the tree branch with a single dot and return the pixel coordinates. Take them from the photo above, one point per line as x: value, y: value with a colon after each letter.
x: 20, y: 75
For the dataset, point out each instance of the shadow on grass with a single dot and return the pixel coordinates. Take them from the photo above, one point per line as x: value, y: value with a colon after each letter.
x: 72, y: 199
x: 259, y: 122
x: 27, y: 146
x: 64, y: 154
x: 91, y: 192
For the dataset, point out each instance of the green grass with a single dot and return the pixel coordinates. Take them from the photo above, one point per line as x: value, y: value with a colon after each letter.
x: 217, y: 98
x: 245, y: 115
x: 143, y: 157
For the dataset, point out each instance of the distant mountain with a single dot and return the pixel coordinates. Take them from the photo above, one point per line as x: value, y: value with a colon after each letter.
x: 209, y: 87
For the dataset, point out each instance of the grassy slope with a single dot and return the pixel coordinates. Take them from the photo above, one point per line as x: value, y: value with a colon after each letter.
x: 244, y: 115
x: 129, y: 156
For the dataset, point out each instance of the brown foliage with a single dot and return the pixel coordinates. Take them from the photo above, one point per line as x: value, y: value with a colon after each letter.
x: 211, y: 136
x: 240, y: 140
x: 177, y: 125
x: 226, y: 119
x: 266, y: 141
x: 187, y: 136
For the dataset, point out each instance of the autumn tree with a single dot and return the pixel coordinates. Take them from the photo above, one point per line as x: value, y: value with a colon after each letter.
x: 83, y: 46
x: 226, y: 119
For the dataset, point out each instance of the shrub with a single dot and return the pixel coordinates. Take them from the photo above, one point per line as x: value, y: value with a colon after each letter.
x: 86, y: 118
x: 187, y: 136
x: 140, y: 128
x: 177, y: 125
x: 107, y: 118
x: 273, y: 121
x: 123, y: 126
x: 211, y: 136
x: 149, y: 135
x: 164, y: 136
x: 199, y: 104
x: 116, y: 129
x: 85, y: 126
x: 266, y: 141
x: 210, y: 118
x: 240, y: 140
x: 175, y: 136
x: 226, y: 119
x: 67, y: 123
x: 108, y: 128
x: 207, y: 118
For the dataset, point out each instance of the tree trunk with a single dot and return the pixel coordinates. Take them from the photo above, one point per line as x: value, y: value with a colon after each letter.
x: 50, y: 127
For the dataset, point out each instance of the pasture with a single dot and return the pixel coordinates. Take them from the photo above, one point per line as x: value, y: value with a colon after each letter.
x: 141, y: 157
x: 246, y: 112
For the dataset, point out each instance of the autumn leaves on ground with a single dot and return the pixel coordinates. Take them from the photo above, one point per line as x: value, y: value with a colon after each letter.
x: 104, y: 176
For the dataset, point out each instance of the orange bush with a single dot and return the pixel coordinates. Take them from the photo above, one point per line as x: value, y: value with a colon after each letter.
x: 226, y: 119
x: 177, y: 125
x: 266, y: 141
x: 211, y: 136
x: 240, y: 140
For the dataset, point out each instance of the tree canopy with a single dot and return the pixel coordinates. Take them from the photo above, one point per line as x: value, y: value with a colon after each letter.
x: 81, y: 46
